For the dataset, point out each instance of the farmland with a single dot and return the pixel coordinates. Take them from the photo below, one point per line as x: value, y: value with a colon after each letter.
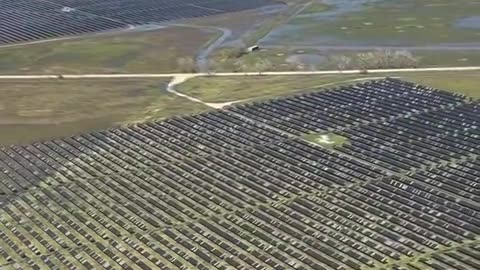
x: 240, y: 188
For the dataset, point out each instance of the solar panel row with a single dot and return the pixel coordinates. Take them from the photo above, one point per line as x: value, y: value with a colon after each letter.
x: 29, y: 20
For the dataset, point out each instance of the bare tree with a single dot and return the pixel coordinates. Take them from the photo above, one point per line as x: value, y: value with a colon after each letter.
x: 367, y: 60
x: 341, y: 62
x: 386, y: 59
x: 405, y: 59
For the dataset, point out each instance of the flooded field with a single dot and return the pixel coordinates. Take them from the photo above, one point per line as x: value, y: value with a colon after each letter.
x: 382, y: 23
x: 470, y: 22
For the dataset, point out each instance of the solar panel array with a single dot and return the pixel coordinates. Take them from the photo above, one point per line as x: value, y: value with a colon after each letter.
x: 30, y: 20
x: 240, y: 189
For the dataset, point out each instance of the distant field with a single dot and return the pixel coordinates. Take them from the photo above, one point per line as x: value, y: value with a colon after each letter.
x: 315, y: 8
x: 38, y: 110
x: 150, y: 51
x: 409, y: 22
x: 224, y: 89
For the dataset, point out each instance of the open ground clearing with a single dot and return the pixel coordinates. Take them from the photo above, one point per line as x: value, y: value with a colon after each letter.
x: 326, y: 140
x: 39, y: 110
x: 146, y: 51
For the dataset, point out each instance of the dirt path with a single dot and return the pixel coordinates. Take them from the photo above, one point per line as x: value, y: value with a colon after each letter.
x: 183, y: 78
x: 227, y: 74
x: 178, y: 78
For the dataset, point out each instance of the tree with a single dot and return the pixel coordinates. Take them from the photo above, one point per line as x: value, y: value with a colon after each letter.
x: 386, y: 59
x: 344, y: 62
x: 405, y: 59
x: 367, y: 60
x: 187, y: 64
x: 341, y: 62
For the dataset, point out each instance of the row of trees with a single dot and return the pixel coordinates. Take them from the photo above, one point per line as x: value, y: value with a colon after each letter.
x: 188, y: 65
x: 375, y: 60
x: 362, y: 61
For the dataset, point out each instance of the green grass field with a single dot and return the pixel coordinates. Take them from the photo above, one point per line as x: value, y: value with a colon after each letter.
x: 224, y: 89
x: 39, y: 110
x: 465, y: 83
x: 154, y: 51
